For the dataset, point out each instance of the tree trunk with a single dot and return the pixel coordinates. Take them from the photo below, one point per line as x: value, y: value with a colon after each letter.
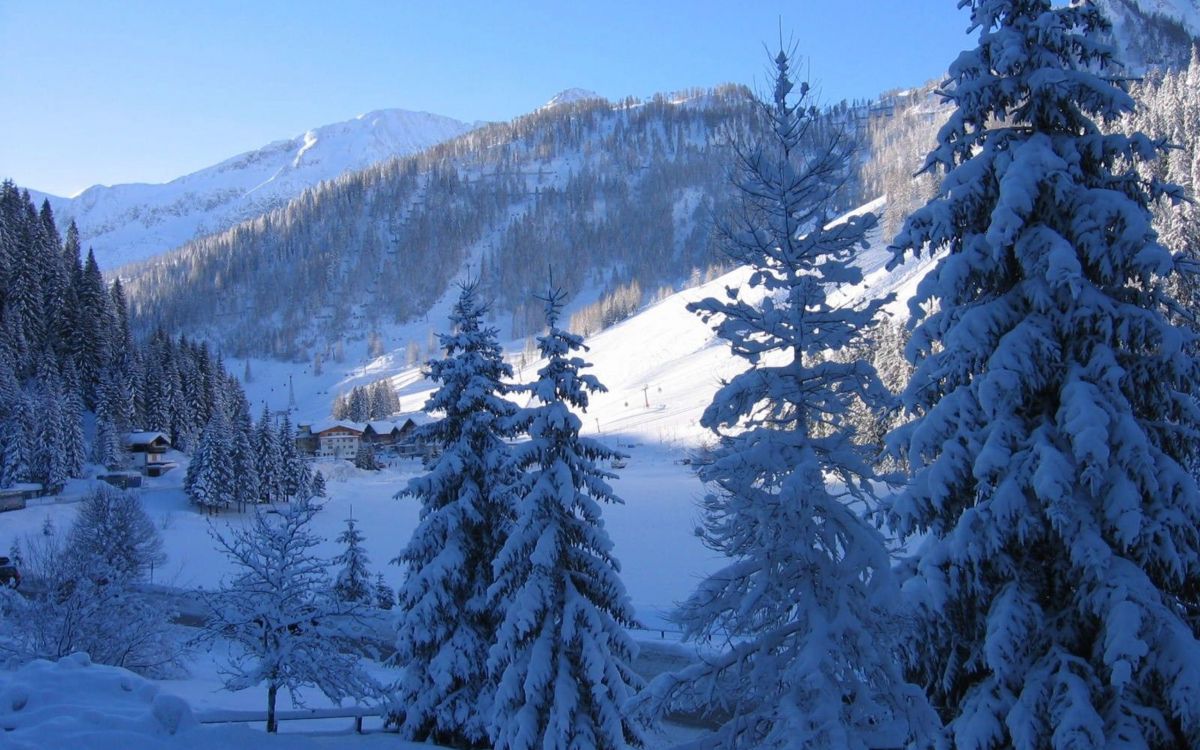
x: 272, y: 689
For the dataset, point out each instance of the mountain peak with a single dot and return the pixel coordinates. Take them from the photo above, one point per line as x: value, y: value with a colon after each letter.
x: 130, y: 222
x: 570, y: 96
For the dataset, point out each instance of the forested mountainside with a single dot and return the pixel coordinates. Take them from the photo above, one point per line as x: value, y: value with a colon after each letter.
x: 66, y: 350
x: 131, y: 222
x: 1153, y: 33
x: 599, y: 193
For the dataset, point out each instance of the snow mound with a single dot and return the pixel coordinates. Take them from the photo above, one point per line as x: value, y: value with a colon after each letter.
x: 74, y: 703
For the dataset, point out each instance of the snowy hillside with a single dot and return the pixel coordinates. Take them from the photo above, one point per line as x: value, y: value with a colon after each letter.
x: 128, y: 223
x: 1154, y: 33
x: 1187, y: 12
x: 661, y: 366
x: 625, y: 191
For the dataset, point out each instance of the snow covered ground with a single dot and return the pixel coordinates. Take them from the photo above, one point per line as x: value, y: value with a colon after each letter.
x: 659, y: 515
x: 661, y: 560
x: 73, y: 704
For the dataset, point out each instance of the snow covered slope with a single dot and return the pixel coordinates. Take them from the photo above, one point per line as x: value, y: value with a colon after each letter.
x: 1186, y: 12
x: 127, y: 223
x: 1154, y: 32
x: 661, y: 366
x: 73, y: 703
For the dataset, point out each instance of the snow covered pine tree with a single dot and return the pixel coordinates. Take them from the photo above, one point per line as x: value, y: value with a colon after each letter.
x: 210, y: 480
x: 1056, y: 410
x: 562, y: 654
x: 353, y: 582
x: 448, y: 623
x: 807, y: 593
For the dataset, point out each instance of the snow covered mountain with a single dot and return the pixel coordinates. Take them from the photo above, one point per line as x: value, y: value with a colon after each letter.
x: 131, y: 222
x: 1186, y: 12
x: 1158, y: 33
x: 624, y: 191
x: 570, y: 96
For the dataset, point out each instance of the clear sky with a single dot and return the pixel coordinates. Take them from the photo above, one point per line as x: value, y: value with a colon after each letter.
x: 120, y: 91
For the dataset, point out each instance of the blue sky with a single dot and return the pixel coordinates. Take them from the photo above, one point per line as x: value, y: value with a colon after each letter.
x: 146, y: 91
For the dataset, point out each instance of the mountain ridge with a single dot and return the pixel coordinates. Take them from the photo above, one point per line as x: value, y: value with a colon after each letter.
x: 129, y: 222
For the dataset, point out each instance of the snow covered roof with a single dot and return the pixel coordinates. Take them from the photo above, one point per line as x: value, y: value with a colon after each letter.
x: 416, y: 417
x: 146, y: 438
x: 378, y: 426
x: 21, y: 487
x: 329, y: 424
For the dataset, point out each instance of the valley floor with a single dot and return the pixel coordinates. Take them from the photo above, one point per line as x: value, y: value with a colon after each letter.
x: 653, y: 531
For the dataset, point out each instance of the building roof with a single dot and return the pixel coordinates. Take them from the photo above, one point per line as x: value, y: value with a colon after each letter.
x: 379, y: 426
x: 146, y: 438
x: 322, y: 428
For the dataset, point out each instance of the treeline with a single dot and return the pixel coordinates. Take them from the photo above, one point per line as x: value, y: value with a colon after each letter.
x: 66, y: 348
x: 366, y: 402
x: 1169, y: 108
x: 609, y: 310
x: 238, y: 463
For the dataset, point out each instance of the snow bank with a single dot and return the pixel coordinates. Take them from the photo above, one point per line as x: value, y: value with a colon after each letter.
x: 73, y: 704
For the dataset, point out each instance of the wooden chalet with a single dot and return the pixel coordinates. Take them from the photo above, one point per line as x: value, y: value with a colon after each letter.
x: 152, y: 447
x: 15, y: 497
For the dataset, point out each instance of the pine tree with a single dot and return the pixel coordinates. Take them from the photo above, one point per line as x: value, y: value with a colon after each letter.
x: 807, y: 597
x: 562, y: 656
x: 318, y: 485
x: 385, y: 597
x: 247, y: 489
x: 66, y: 321
x: 14, y: 442
x: 210, y: 480
x: 448, y: 622
x: 355, y: 410
x: 110, y: 418
x: 268, y: 460
x: 353, y: 582
x: 1055, y: 406
x: 74, y: 451
x: 294, y: 472
x: 93, y: 341
x: 364, y: 457
x: 51, y: 427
